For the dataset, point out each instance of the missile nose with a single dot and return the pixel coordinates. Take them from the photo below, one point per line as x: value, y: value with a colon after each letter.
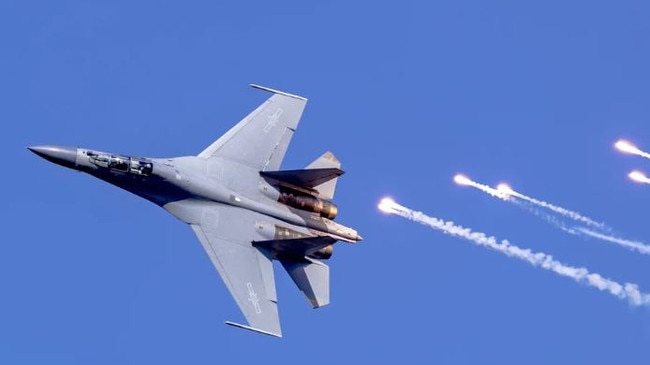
x: 64, y: 156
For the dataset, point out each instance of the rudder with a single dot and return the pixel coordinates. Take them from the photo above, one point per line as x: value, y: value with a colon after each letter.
x: 327, y: 160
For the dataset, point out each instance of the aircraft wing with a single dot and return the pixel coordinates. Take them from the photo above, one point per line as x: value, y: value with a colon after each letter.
x: 226, y: 234
x: 260, y: 140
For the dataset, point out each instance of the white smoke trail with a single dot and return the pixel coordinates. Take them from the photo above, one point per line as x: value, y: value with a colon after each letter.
x: 548, y: 217
x: 632, y: 245
x: 557, y: 209
x: 627, y: 291
x: 582, y: 231
x: 506, y: 193
x: 464, y: 180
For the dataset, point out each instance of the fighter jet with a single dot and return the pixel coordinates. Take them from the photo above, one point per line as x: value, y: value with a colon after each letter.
x: 244, y: 210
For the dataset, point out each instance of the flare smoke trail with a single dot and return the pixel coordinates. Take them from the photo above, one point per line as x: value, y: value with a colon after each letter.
x: 632, y: 245
x: 627, y: 147
x: 464, y: 180
x: 627, y: 291
x: 507, y: 190
x: 583, y: 231
x: 552, y: 219
x: 601, y: 234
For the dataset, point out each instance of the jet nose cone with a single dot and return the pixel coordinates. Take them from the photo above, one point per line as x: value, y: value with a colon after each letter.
x: 359, y: 238
x: 64, y: 156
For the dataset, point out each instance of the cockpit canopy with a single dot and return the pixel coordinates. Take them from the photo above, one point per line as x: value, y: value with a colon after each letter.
x: 133, y: 165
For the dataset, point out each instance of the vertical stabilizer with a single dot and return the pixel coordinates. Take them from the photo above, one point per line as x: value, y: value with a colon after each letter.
x: 327, y: 160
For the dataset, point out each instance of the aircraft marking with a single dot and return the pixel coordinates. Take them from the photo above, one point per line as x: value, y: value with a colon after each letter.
x: 252, y: 297
x: 273, y: 120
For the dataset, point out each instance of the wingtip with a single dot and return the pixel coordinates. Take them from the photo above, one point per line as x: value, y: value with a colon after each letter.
x: 274, y: 91
x: 278, y: 335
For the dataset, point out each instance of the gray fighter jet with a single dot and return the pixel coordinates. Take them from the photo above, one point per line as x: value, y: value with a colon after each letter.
x: 244, y: 210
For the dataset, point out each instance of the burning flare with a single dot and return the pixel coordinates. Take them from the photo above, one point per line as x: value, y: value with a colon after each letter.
x: 387, y: 205
x: 462, y: 180
x: 639, y: 177
x: 627, y: 147
x: 506, y: 189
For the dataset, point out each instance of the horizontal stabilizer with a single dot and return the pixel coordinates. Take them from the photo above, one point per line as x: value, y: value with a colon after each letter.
x: 312, y: 278
x: 304, y: 178
x: 253, y: 329
x: 296, y: 247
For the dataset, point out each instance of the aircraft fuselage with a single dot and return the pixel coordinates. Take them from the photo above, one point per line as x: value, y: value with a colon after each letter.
x: 167, y: 181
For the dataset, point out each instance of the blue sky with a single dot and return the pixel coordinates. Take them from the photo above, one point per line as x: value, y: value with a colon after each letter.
x: 406, y: 95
